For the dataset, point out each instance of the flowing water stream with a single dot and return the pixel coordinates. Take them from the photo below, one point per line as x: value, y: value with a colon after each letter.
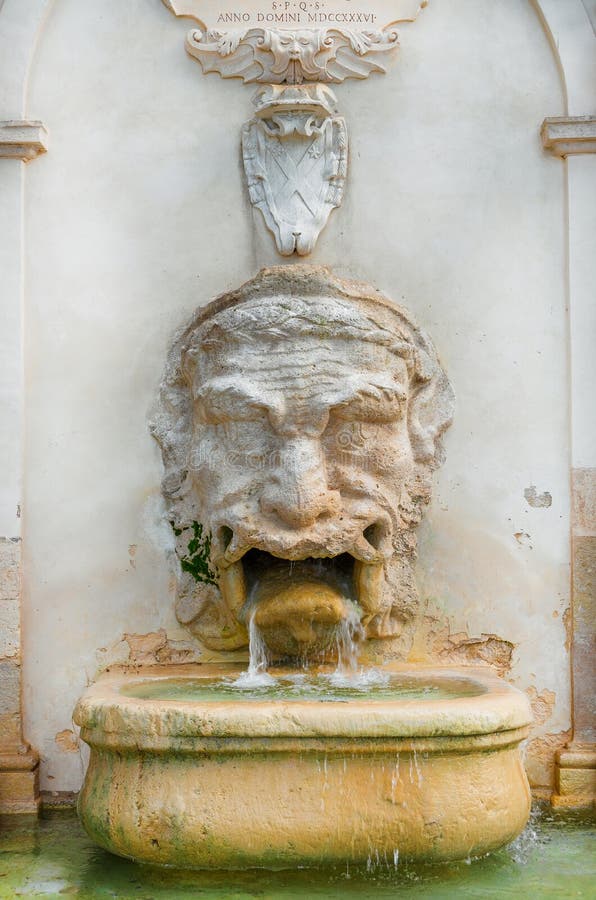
x: 348, y: 680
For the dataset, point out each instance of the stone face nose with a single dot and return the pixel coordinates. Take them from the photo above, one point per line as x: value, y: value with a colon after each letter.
x: 298, y: 492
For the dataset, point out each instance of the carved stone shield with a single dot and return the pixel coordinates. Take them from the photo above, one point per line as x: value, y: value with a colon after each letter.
x: 295, y: 154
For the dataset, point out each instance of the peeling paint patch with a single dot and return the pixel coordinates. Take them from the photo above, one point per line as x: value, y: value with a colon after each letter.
x: 536, y: 500
x: 145, y: 647
x: 523, y: 538
x: 542, y: 704
x: 155, y: 647
x: 540, y: 758
x: 67, y: 740
x: 461, y: 649
x: 150, y: 649
x: 117, y: 654
x: 488, y: 649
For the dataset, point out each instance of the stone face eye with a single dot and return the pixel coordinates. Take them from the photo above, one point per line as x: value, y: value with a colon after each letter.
x: 373, y: 405
x: 229, y: 403
x: 214, y: 413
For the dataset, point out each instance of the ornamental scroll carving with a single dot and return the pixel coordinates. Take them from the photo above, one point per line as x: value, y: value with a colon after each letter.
x: 271, y: 56
x: 295, y: 149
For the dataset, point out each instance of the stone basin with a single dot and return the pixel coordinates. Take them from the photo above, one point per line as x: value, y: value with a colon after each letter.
x: 181, y: 774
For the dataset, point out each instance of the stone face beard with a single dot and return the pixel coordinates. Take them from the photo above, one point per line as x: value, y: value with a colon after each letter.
x: 301, y: 445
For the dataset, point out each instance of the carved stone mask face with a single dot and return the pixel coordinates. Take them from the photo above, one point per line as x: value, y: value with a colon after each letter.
x: 303, y: 457
x: 294, y: 49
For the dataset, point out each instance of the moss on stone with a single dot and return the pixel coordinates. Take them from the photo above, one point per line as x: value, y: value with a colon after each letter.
x: 197, y: 560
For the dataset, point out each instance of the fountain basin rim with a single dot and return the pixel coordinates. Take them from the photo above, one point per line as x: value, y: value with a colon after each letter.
x: 107, y: 717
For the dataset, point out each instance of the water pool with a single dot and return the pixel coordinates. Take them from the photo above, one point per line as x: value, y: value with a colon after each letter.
x: 327, y: 687
x: 54, y: 858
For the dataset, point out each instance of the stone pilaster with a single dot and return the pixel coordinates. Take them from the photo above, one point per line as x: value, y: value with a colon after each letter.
x: 21, y: 140
x: 576, y: 764
x: 573, y: 139
x: 19, y: 780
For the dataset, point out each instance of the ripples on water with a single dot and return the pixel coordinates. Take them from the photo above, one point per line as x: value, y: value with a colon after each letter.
x: 348, y: 681
x: 330, y: 687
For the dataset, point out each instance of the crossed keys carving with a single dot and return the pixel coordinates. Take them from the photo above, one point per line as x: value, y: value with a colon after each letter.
x: 298, y: 174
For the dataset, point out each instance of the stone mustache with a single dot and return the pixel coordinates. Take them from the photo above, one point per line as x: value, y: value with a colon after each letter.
x: 300, y: 418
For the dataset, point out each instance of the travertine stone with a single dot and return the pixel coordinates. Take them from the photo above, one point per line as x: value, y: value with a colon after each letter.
x: 300, y: 418
x: 271, y: 56
x: 575, y: 783
x: 566, y: 135
x: 281, y: 46
x: 23, y: 140
x: 19, y: 782
x: 228, y: 785
x: 10, y: 686
x: 19, y: 779
x: 295, y: 154
x: 583, y: 498
x: 584, y: 640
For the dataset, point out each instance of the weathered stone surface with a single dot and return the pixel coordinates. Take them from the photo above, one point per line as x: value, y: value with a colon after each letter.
x: 10, y: 627
x: 300, y: 417
x: 22, y: 140
x: 10, y: 687
x: 583, y: 496
x: 568, y: 135
x: 575, y: 784
x: 238, y: 784
x: 540, y: 758
x: 584, y: 639
x: 10, y: 568
x: 19, y: 778
x: 10, y: 597
x: 575, y: 771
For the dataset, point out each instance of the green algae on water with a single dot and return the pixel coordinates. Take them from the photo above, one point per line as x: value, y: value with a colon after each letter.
x: 53, y: 858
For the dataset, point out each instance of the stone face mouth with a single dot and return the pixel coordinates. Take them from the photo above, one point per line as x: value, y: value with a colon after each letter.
x: 298, y: 604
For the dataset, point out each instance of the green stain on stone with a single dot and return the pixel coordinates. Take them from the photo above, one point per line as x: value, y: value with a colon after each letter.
x: 197, y: 560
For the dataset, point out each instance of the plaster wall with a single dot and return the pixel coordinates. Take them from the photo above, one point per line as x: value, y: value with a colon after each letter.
x: 139, y: 213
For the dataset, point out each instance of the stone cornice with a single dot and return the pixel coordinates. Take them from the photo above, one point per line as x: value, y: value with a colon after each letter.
x: 567, y: 135
x: 22, y: 140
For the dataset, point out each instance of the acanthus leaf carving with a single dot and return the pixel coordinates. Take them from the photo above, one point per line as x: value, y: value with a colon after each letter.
x: 276, y: 56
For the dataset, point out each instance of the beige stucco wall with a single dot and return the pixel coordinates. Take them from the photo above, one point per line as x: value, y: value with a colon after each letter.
x: 139, y: 213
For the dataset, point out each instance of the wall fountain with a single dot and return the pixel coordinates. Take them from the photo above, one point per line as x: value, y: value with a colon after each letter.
x: 300, y: 419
